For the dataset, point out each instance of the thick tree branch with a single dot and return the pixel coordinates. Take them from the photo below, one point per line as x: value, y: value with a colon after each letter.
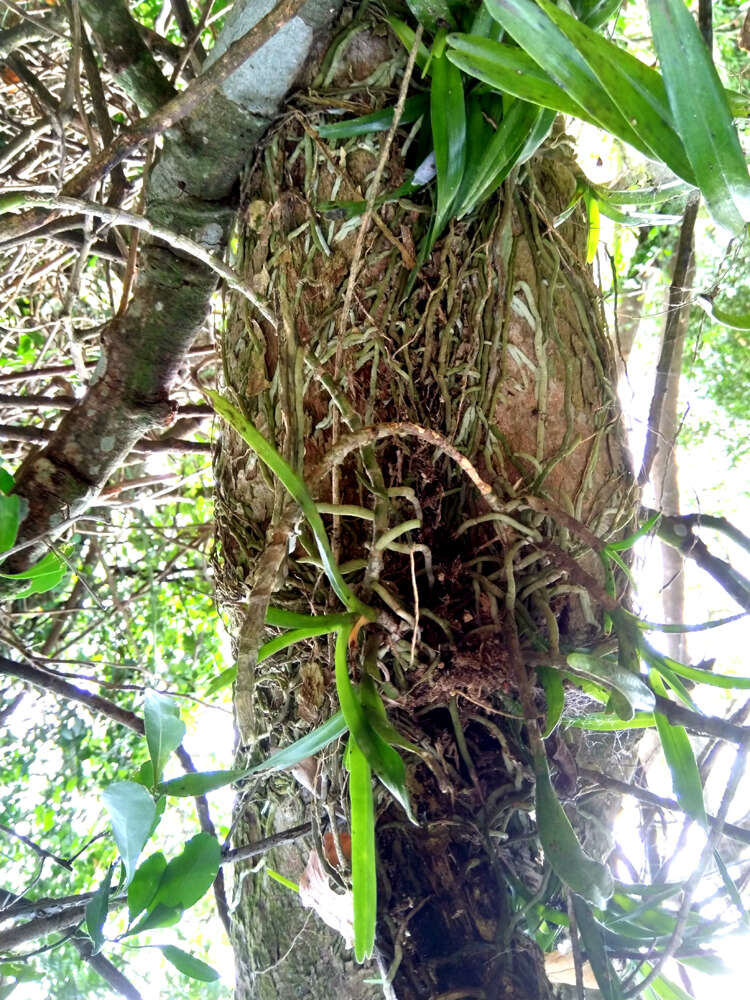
x: 126, y: 54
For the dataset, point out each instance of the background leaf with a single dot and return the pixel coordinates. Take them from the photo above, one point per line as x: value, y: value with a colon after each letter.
x: 131, y: 812
x: 164, y: 729
x: 188, y: 964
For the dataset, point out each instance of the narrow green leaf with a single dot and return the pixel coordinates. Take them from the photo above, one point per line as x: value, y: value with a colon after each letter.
x: 145, y: 883
x: 297, y: 490
x: 659, y: 663
x: 511, y: 70
x: 306, y: 746
x: 554, y: 691
x: 550, y: 47
x: 635, y: 694
x: 592, y: 215
x: 592, y: 936
x: 280, y: 642
x: 281, y: 879
x: 164, y: 729
x: 382, y: 758
x: 583, y: 875
x: 199, y: 783
x: 406, y: 36
x: 448, y: 122
x: 375, y: 713
x: 678, y: 752
x: 732, y: 891
x: 188, y: 964
x: 190, y: 875
x: 10, y: 518
x: 635, y: 89
x: 131, y: 813
x: 603, y: 722
x: 378, y: 121
x: 291, y: 619
x: 96, y: 912
x: 701, y: 113
x: 629, y: 542
x: 726, y: 681
x: 222, y: 680
x: 364, y: 880
x: 504, y: 149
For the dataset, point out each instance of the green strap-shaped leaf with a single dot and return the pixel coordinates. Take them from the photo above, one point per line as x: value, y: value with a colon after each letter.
x: 634, y: 693
x: 364, y: 880
x: 583, y: 875
x: 592, y: 215
x: 678, y: 752
x: 132, y: 813
x: 382, y: 758
x: 634, y: 88
x: 448, y: 121
x: 280, y: 642
x: 165, y: 729
x: 554, y: 691
x: 188, y: 964
x: 291, y: 619
x: 701, y: 113
x: 592, y: 935
x: 378, y: 121
x: 297, y: 489
x: 550, y: 47
x: 503, y: 151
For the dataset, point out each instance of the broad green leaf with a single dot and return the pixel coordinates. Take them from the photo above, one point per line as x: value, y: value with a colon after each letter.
x: 96, y: 912
x: 431, y: 13
x: 10, y: 518
x: 552, y: 683
x: 188, y: 964
x: 145, y: 883
x: 297, y: 489
x: 583, y: 875
x: 593, y: 941
x: 131, y: 813
x: 635, y: 694
x: 551, y: 48
x: 42, y: 576
x: 735, y: 321
x: 364, y: 880
x: 635, y: 89
x: 448, y: 122
x: 145, y: 774
x: 190, y: 875
x: 160, y: 916
x: 678, y: 752
x: 7, y: 482
x: 199, y: 783
x: 382, y: 758
x: 701, y: 113
x: 378, y: 121
x: 164, y: 729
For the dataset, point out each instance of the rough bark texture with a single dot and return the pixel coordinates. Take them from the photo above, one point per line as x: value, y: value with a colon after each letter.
x: 500, y: 346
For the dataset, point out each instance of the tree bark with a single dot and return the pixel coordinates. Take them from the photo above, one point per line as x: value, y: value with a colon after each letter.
x: 498, y: 344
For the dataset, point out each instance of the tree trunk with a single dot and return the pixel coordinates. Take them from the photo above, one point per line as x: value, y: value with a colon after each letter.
x: 498, y: 344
